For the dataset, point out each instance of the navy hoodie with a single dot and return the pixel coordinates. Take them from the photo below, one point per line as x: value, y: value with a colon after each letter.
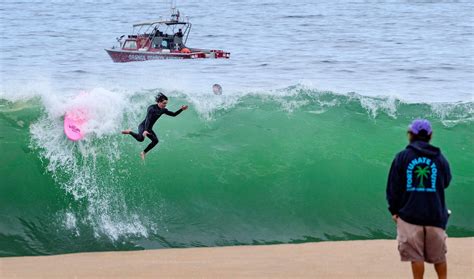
x: 416, y: 182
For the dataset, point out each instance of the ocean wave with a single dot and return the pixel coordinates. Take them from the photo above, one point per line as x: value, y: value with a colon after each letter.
x: 232, y: 169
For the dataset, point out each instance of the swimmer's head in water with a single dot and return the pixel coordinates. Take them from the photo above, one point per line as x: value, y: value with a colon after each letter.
x: 217, y: 89
x: 161, y: 99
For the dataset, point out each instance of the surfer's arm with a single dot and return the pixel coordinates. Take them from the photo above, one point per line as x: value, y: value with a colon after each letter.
x: 170, y: 113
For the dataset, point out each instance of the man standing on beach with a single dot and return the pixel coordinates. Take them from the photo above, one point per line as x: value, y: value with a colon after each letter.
x: 415, y: 194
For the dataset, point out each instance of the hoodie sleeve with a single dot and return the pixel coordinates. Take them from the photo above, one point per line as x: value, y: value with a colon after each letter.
x: 170, y: 113
x: 394, y: 186
x: 447, y: 170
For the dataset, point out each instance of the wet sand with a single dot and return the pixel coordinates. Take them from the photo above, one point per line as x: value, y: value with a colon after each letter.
x: 343, y: 259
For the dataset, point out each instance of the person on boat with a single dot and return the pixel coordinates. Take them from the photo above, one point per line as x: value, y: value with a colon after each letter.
x: 145, y: 129
x: 178, y: 40
x: 158, y: 33
x: 179, y: 34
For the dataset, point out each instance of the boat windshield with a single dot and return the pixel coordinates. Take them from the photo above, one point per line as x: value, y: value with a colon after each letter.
x: 130, y: 44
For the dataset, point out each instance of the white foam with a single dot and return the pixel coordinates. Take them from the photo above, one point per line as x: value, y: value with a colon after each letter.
x: 207, y: 104
x: 373, y: 106
x: 75, y: 165
x: 452, y: 114
x: 70, y: 222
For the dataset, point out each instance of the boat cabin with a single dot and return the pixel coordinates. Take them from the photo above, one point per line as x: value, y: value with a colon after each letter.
x: 170, y: 35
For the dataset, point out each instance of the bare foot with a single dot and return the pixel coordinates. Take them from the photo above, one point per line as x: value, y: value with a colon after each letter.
x: 126, y: 132
x: 142, y: 155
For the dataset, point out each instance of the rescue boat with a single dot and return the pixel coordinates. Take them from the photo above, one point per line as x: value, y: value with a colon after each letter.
x: 160, y: 39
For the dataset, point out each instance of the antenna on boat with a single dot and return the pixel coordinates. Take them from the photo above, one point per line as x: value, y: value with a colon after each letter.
x: 174, y: 11
x: 173, y: 7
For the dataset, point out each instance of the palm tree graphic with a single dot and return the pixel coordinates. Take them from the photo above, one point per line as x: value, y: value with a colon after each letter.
x: 422, y: 173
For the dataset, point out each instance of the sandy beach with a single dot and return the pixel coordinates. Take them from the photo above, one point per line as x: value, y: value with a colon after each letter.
x: 344, y: 259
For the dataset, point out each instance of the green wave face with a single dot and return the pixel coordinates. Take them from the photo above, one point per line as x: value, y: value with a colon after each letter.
x: 256, y: 169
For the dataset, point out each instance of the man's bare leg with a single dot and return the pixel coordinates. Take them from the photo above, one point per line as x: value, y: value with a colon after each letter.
x: 126, y: 132
x: 418, y: 269
x: 442, y: 270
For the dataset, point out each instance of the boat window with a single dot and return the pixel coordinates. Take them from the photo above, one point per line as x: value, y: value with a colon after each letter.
x: 157, y: 42
x: 130, y: 44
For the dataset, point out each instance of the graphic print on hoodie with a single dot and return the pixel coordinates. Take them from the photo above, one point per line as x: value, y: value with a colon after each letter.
x: 421, y: 173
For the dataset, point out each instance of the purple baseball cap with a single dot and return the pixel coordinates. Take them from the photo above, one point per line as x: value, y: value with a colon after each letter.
x: 418, y: 125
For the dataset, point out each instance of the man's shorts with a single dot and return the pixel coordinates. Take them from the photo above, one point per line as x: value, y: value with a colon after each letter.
x: 421, y: 243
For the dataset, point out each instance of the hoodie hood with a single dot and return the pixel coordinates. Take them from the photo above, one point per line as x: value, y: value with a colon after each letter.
x: 424, y: 148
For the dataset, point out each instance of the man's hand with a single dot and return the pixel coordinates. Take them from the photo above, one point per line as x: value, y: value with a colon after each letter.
x: 395, y: 218
x: 145, y: 133
x: 184, y: 107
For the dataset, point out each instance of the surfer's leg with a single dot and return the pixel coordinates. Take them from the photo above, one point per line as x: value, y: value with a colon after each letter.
x: 154, y: 141
x: 138, y: 137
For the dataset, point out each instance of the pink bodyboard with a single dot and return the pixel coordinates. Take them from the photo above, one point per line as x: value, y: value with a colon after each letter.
x: 74, y: 122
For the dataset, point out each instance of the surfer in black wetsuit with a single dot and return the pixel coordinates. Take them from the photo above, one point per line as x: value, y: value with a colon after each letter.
x: 145, y: 129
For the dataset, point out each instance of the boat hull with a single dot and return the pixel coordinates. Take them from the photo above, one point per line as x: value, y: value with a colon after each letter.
x: 120, y: 56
